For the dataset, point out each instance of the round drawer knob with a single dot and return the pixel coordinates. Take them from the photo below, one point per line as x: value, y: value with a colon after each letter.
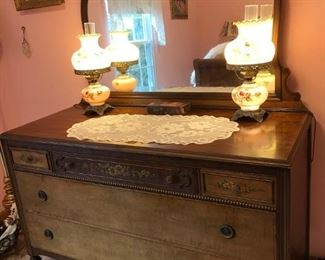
x: 68, y: 166
x: 171, y: 179
x: 227, y: 231
x: 42, y: 195
x: 48, y: 234
x: 30, y: 158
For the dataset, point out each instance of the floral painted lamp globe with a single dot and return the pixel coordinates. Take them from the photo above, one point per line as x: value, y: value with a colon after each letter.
x: 123, y: 54
x: 252, y: 51
x: 91, y: 61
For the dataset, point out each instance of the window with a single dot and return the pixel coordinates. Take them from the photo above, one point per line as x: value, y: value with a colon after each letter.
x: 140, y: 28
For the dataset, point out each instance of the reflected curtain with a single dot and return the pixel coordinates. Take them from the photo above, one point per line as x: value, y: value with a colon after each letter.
x: 116, y: 9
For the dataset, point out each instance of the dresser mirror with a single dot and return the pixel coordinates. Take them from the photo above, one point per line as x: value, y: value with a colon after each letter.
x: 206, y: 29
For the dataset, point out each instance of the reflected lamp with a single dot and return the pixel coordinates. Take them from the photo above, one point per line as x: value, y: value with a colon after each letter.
x: 123, y: 54
x: 91, y: 61
x: 252, y: 51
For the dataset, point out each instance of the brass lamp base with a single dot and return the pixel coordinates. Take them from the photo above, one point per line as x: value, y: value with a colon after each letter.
x: 94, y: 95
x: 123, y: 66
x: 257, y: 115
x: 99, y: 110
x: 90, y: 110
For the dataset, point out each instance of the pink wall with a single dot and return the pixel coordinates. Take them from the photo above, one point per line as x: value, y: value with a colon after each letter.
x: 44, y: 83
x: 302, y: 49
x: 175, y: 60
x: 31, y: 88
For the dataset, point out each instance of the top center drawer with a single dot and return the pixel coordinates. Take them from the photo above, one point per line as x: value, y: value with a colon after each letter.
x: 123, y: 172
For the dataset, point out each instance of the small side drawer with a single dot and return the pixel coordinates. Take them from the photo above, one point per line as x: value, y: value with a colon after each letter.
x: 239, y: 186
x: 30, y: 158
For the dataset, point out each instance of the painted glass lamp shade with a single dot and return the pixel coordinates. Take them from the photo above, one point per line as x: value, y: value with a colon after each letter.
x: 252, y: 51
x: 91, y: 61
x: 122, y: 54
x: 90, y: 56
x: 253, y: 44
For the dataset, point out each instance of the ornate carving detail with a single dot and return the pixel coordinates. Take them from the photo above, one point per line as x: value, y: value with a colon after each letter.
x: 288, y: 94
x: 228, y: 185
x: 184, y: 179
x: 125, y: 171
x: 110, y: 169
x: 170, y: 181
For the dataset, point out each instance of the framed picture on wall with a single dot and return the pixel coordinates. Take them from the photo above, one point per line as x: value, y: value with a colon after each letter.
x: 30, y: 4
x: 179, y: 9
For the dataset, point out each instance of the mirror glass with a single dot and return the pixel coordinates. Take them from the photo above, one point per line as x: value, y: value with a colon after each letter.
x: 200, y: 35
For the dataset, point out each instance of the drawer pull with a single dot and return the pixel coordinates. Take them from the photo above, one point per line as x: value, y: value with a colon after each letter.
x: 68, y: 166
x: 30, y: 159
x: 227, y: 231
x: 171, y: 179
x: 48, y: 234
x: 182, y: 181
x: 42, y: 195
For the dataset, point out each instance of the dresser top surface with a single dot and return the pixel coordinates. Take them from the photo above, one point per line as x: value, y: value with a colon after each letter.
x: 274, y: 140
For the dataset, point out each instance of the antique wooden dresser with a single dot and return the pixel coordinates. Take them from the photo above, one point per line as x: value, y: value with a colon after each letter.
x: 245, y: 197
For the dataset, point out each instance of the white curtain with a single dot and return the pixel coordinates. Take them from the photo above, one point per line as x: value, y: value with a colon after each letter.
x: 122, y: 8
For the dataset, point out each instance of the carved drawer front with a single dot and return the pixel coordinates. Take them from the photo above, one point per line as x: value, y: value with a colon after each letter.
x: 30, y: 159
x: 238, y: 186
x: 200, y: 226
x: 89, y: 242
x: 183, y: 180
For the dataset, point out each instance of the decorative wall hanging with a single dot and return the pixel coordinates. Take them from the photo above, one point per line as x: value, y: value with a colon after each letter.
x: 179, y: 9
x: 24, y: 44
x: 30, y: 4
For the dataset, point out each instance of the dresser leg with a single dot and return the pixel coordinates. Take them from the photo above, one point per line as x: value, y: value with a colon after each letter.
x: 35, y: 257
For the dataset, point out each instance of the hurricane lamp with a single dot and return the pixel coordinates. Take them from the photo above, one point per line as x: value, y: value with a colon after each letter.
x: 123, y: 54
x: 252, y: 51
x: 91, y: 61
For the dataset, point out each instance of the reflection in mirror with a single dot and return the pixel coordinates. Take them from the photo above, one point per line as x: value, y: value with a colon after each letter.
x: 193, y: 44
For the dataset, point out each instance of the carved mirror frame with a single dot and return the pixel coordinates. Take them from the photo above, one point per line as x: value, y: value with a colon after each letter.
x: 281, y: 98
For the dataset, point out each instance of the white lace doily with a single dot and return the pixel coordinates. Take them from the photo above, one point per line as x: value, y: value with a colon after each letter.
x: 162, y: 129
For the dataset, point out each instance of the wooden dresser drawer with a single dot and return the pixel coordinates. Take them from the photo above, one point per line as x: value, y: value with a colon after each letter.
x: 127, y: 173
x: 237, y: 186
x: 30, y: 158
x: 200, y: 226
x: 82, y: 242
